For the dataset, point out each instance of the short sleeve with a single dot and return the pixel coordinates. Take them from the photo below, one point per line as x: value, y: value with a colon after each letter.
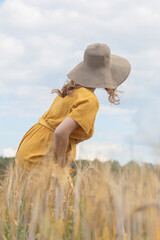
x: 84, y: 113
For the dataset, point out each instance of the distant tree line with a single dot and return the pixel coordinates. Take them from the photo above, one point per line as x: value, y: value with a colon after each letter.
x: 114, y: 166
x: 4, y: 164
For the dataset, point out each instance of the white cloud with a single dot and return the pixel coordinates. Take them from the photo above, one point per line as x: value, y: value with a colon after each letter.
x: 102, y: 151
x: 36, y: 100
x: 9, y: 152
x: 10, y: 47
x: 115, y: 110
x: 20, y: 14
x: 110, y: 151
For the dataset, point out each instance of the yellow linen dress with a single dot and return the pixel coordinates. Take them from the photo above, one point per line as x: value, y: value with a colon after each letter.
x: 36, y: 146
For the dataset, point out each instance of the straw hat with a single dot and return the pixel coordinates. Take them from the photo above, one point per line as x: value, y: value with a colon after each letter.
x: 100, y: 69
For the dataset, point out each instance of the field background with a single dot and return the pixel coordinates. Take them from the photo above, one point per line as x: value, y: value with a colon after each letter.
x: 106, y: 201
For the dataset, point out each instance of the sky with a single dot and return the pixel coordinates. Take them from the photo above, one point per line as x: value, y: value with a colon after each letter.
x: 41, y: 41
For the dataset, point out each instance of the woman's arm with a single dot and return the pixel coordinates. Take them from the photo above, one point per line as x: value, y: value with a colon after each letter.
x: 61, y: 138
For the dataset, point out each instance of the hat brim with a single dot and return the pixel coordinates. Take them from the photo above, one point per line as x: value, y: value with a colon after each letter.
x: 103, y: 77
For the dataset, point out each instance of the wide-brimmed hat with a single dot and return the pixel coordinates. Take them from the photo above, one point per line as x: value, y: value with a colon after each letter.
x: 100, y: 68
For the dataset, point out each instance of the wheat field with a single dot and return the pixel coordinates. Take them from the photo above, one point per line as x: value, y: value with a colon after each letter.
x: 102, y: 202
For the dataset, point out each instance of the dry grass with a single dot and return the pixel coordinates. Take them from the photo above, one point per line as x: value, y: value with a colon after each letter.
x: 102, y: 204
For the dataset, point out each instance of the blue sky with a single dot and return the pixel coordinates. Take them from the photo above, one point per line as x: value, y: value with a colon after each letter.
x: 41, y: 41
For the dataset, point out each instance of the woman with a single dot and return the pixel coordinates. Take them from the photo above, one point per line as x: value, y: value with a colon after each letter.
x: 71, y: 117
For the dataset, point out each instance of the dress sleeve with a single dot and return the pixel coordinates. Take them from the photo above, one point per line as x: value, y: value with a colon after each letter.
x: 84, y: 113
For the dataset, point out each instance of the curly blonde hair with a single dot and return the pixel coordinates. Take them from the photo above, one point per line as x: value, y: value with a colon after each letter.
x: 68, y: 88
x: 113, y: 96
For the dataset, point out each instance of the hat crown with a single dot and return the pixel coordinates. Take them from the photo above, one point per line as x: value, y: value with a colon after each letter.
x: 97, y: 55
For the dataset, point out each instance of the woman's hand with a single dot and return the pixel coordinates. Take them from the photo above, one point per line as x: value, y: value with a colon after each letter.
x: 61, y: 139
x: 60, y: 145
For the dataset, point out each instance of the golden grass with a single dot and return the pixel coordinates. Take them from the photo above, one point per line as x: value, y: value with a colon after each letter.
x: 103, y: 203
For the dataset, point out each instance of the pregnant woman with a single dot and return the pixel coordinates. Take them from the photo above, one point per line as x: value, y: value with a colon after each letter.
x: 71, y: 117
